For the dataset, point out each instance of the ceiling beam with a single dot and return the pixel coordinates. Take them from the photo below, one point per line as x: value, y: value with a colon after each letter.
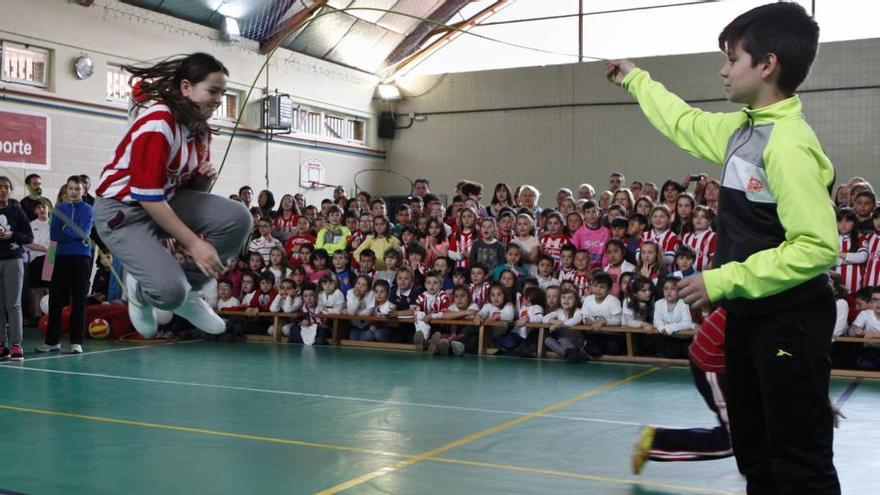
x: 450, y: 34
x: 290, y: 25
x: 417, y: 36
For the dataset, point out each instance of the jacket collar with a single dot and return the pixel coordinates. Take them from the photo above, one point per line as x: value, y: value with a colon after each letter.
x: 789, y: 108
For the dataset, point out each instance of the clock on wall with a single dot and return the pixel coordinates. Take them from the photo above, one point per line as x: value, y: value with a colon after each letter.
x: 83, y: 67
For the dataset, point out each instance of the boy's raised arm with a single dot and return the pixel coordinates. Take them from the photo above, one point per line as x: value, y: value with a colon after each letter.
x: 702, y: 134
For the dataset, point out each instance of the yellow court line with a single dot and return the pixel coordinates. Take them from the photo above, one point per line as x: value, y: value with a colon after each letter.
x: 187, y: 429
x: 415, y: 459
x: 345, y: 448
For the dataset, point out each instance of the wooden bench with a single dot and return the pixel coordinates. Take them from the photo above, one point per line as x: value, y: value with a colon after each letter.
x: 483, y: 336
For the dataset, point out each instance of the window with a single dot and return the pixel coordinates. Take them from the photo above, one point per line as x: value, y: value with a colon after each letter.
x: 118, y: 89
x: 228, y: 109
x: 319, y: 123
x: 25, y: 64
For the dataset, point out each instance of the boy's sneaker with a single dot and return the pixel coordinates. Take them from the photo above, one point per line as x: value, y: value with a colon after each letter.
x: 593, y: 351
x: 76, y: 349
x: 642, y: 448
x: 17, y: 353
x: 419, y: 341
x: 47, y: 348
x: 443, y: 347
x: 435, y: 344
x: 457, y: 348
x: 142, y: 314
x: 200, y: 314
x: 4, y: 352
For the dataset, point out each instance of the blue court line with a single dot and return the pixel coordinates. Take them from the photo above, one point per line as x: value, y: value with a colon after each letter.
x: 848, y: 392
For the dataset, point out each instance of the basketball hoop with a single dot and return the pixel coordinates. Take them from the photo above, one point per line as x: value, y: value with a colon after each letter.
x: 312, y: 174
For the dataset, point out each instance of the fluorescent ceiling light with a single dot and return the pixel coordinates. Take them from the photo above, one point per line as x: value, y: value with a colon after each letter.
x: 389, y: 92
x: 230, y: 30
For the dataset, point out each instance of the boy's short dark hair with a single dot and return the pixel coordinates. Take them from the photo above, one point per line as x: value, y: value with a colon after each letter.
x: 620, y: 223
x: 783, y: 29
x: 369, y: 253
x: 416, y: 200
x: 685, y: 251
x: 589, y: 205
x: 416, y: 248
x: 568, y: 247
x: 320, y: 253
x: 864, y: 294
x: 603, y: 278
x: 434, y: 274
x: 403, y: 207
x: 333, y: 209
x: 310, y: 286
x: 513, y: 245
x: 431, y: 198
x: 461, y: 271
x: 640, y: 218
x: 382, y: 283
x: 545, y: 257
x: 225, y: 281
x: 288, y: 281
x: 394, y: 252
x: 867, y: 194
x: 326, y: 201
x: 76, y: 179
x: 377, y: 200
x: 267, y: 275
x: 481, y: 266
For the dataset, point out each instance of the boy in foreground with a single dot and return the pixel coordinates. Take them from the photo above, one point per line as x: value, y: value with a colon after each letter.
x: 776, y: 239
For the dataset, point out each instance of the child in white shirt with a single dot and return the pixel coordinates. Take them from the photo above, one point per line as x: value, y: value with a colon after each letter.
x: 224, y: 296
x: 360, y: 301
x: 498, y: 308
x: 562, y: 339
x: 460, y: 338
x: 601, y: 309
x: 544, y: 274
x: 531, y: 310
x: 331, y: 300
x: 286, y: 301
x: 672, y: 315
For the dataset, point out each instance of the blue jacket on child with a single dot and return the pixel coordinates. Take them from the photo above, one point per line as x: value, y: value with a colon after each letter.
x: 70, y: 242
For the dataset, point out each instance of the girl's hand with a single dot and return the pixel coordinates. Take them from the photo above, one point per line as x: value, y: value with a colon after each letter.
x: 521, y: 322
x: 205, y: 257
x: 6, y: 234
x: 647, y: 326
x: 427, y: 319
x: 252, y: 311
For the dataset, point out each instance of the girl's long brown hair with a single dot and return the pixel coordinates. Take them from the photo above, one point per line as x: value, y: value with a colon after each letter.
x: 161, y: 83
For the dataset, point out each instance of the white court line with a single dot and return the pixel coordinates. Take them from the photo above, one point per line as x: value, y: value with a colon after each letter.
x: 330, y: 397
x: 60, y: 355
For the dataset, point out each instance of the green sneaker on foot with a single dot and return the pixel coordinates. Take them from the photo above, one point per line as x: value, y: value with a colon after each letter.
x: 642, y: 448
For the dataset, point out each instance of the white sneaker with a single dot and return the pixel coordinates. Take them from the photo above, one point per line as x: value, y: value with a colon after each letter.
x: 47, y: 348
x: 142, y: 315
x: 200, y: 314
x: 76, y: 349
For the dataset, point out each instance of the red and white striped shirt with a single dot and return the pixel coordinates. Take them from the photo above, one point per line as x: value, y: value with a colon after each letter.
x: 582, y: 282
x: 551, y: 244
x: 566, y: 274
x: 707, y: 349
x: 479, y: 293
x: 280, y: 224
x: 461, y: 243
x: 667, y: 240
x: 429, y: 304
x: 850, y: 272
x: 154, y: 158
x: 704, y: 244
x: 871, y: 243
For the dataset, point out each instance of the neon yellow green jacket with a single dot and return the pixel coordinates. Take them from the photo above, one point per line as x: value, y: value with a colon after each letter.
x: 778, y: 226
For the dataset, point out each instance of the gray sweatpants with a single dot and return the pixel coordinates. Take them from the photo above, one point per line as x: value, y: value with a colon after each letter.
x: 133, y: 238
x: 11, y: 278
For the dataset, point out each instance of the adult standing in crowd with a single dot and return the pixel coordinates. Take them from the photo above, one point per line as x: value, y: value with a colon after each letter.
x: 528, y: 198
x: 34, y: 185
x: 421, y: 186
x: 15, y: 232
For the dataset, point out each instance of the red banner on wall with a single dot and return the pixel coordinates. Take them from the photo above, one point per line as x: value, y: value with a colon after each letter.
x: 24, y: 140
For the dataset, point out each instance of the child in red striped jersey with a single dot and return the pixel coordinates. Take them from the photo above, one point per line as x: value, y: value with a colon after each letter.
x: 660, y: 233
x: 853, y: 255
x: 871, y: 244
x: 156, y: 187
x: 701, y: 238
x: 553, y: 241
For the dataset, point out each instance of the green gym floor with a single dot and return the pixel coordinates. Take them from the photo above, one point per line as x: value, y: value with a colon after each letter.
x: 215, y: 418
